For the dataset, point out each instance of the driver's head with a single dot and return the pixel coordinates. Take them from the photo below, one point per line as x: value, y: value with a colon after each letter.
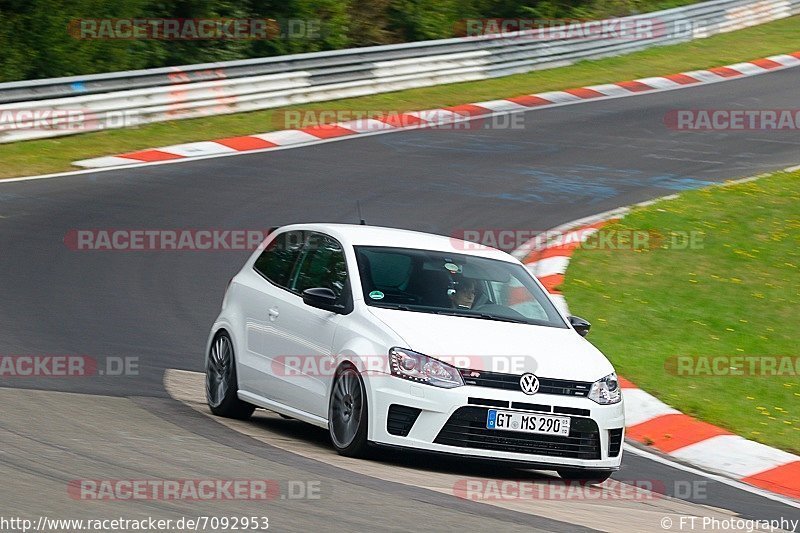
x: 463, y: 293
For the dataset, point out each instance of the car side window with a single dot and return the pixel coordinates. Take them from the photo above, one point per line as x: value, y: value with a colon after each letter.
x: 322, y: 265
x: 277, y: 261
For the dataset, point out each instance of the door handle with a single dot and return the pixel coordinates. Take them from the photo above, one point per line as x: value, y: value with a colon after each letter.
x: 273, y: 313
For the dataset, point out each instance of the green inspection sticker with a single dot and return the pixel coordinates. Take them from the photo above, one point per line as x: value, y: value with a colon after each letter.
x: 376, y: 295
x: 452, y: 267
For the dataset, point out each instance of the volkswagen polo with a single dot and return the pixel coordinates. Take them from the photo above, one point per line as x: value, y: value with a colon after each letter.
x: 411, y: 340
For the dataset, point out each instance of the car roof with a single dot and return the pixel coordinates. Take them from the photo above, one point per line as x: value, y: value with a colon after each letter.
x: 365, y: 235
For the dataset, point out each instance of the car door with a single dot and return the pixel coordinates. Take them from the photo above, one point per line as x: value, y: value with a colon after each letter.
x: 264, y: 289
x: 309, y: 332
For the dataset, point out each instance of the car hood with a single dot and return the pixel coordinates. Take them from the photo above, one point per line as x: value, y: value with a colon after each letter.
x: 491, y: 345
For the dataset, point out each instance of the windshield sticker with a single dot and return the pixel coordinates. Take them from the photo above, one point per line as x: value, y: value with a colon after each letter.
x: 376, y: 295
x: 452, y: 267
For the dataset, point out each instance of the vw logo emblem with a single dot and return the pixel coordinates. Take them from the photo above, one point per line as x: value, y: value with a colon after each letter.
x: 529, y: 383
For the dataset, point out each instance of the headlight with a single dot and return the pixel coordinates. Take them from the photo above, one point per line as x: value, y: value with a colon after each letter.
x: 606, y: 391
x: 414, y: 366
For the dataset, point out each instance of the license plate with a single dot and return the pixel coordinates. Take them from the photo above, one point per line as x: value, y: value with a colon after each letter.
x: 527, y: 422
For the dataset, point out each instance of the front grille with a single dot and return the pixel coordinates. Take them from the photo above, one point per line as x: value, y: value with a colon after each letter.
x: 525, y: 406
x: 401, y: 419
x: 487, y: 402
x: 571, y: 411
x: 498, y: 380
x: 614, y: 442
x: 466, y: 428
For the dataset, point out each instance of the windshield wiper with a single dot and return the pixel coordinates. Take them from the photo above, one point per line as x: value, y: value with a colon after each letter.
x: 399, y: 307
x: 450, y: 312
x: 476, y: 314
x: 403, y: 307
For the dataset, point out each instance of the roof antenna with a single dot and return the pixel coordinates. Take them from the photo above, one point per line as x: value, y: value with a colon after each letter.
x: 358, y: 207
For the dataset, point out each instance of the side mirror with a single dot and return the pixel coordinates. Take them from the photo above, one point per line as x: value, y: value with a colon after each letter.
x: 580, y: 325
x: 322, y: 298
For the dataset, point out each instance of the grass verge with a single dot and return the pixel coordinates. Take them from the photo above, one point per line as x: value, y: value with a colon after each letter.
x: 736, y: 293
x: 54, y: 155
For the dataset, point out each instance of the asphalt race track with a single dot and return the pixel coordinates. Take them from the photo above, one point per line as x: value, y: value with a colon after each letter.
x: 565, y: 163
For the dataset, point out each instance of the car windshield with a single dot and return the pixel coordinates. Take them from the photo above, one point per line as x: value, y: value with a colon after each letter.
x: 453, y: 284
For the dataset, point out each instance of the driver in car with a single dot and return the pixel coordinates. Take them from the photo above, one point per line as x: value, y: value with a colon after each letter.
x: 462, y: 293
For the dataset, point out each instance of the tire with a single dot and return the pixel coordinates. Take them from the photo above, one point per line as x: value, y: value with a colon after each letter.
x: 348, y: 414
x: 221, y: 383
x: 592, y: 477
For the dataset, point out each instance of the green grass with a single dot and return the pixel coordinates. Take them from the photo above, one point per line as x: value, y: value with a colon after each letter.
x: 736, y: 294
x: 53, y: 155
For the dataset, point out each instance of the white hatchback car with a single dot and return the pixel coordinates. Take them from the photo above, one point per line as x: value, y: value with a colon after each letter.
x: 411, y: 340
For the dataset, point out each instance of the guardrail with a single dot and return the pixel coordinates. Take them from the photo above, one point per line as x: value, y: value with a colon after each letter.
x: 122, y: 99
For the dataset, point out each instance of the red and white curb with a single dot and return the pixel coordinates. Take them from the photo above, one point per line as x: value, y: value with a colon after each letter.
x: 441, y: 117
x: 649, y: 420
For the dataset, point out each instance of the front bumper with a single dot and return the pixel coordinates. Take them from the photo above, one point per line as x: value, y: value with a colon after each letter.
x: 452, y: 421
